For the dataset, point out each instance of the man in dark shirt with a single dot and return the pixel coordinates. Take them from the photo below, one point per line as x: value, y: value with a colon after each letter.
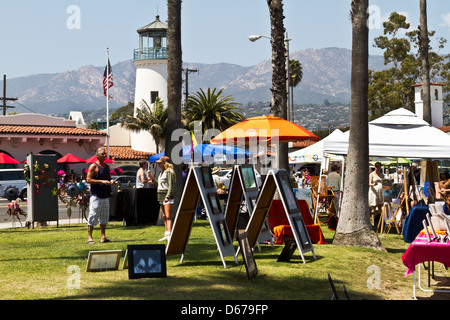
x: 100, y: 181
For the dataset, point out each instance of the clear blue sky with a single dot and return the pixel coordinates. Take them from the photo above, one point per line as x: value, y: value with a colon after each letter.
x: 36, y: 39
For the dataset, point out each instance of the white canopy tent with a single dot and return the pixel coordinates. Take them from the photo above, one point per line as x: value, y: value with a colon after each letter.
x: 314, y: 153
x: 399, y: 134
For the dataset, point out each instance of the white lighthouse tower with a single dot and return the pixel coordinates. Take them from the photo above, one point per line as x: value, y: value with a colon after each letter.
x: 437, y: 103
x: 151, y: 76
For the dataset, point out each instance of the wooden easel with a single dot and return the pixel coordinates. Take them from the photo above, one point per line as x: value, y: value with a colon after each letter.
x: 384, y: 214
x: 408, y: 183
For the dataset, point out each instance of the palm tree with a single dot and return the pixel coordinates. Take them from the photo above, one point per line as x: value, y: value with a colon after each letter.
x: 213, y: 110
x: 295, y: 77
x: 354, y: 226
x: 174, y: 86
x: 423, y: 49
x: 152, y: 119
x: 278, y: 106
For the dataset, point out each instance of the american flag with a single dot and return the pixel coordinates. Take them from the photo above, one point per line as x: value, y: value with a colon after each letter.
x: 107, y: 76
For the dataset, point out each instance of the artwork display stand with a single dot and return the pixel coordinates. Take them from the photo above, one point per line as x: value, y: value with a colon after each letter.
x: 199, y: 183
x: 279, y: 181
x: 42, y: 189
x: 243, y: 186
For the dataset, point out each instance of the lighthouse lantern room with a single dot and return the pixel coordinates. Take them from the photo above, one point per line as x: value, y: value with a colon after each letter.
x: 151, y: 76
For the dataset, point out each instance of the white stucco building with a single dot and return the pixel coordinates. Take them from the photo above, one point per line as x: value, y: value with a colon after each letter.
x: 437, y: 103
x: 151, y: 75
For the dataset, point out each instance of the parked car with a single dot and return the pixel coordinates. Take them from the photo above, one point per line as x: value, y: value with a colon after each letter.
x: 225, y: 177
x: 13, y: 184
x: 125, y: 182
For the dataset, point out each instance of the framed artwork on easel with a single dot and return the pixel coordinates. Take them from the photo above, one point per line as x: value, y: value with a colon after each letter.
x: 247, y: 254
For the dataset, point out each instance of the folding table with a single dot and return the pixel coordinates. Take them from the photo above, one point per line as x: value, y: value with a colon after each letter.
x: 421, y: 250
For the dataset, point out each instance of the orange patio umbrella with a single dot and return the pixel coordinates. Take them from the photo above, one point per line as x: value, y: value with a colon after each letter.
x: 264, y: 128
x: 94, y: 159
x: 70, y: 158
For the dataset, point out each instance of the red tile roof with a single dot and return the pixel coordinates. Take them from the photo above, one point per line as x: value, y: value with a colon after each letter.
x: 445, y: 129
x: 126, y: 153
x: 431, y: 83
x: 44, y: 130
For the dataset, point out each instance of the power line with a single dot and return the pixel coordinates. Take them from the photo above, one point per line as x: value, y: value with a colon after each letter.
x: 29, y: 109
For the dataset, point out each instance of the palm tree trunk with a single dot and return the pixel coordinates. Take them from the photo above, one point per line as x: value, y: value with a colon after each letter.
x: 174, y: 86
x: 278, y: 106
x: 354, y: 228
x: 425, y: 63
x: 292, y: 104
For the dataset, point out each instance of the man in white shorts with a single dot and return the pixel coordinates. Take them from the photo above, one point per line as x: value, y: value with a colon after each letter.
x: 99, y: 178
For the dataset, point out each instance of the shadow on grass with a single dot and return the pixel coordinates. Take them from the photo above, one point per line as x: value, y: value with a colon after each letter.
x: 229, y: 284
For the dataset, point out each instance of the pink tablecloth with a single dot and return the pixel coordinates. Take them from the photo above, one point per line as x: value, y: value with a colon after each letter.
x: 420, y: 251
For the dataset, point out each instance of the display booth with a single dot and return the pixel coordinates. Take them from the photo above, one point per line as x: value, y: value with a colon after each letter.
x: 135, y: 206
x: 42, y: 196
x: 279, y: 181
x: 199, y: 183
x: 243, y: 187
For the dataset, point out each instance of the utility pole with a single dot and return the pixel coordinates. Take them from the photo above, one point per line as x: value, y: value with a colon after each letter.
x: 187, y: 71
x: 5, y: 98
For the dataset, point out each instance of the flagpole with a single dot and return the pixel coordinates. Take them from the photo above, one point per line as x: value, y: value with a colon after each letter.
x: 107, y: 102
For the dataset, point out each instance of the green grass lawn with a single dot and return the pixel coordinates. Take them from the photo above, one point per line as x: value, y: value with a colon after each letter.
x: 37, y: 263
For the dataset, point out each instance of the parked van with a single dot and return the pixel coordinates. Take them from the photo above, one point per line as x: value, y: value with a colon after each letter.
x: 13, y: 184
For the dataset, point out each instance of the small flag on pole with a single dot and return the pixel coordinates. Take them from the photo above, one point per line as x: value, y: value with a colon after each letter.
x: 107, y: 79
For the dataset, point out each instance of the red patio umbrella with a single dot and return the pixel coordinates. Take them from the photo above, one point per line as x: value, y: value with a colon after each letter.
x: 70, y: 158
x: 4, y: 158
x: 94, y: 159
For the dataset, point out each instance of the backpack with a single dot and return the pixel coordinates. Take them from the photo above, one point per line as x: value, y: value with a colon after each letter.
x: 332, y: 221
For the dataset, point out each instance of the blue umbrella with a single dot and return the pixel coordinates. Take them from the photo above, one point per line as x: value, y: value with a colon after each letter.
x: 186, y: 152
x: 155, y: 157
x: 208, y: 152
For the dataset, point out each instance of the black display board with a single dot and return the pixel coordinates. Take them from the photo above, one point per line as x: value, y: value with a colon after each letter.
x: 139, y: 206
x: 42, y: 197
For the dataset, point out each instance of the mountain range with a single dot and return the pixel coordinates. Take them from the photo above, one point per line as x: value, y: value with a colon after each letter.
x: 326, y: 75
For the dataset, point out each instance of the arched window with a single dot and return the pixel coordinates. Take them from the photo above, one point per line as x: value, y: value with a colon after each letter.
x: 9, y: 165
x: 60, y: 166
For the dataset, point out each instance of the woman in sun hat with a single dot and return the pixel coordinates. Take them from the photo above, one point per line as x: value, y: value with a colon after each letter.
x: 164, y: 185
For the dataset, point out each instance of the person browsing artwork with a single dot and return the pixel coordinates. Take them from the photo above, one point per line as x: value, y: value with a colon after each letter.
x: 444, y: 187
x: 100, y: 181
x: 376, y: 195
x: 334, y: 181
x: 164, y: 192
x: 142, y: 180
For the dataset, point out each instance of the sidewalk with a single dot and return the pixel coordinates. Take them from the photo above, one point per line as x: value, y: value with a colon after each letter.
x: 16, y: 223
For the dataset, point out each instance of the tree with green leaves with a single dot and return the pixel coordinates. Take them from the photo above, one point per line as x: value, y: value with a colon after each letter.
x: 295, y: 77
x: 152, y: 119
x: 212, y: 109
x: 120, y: 115
x: 391, y: 89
